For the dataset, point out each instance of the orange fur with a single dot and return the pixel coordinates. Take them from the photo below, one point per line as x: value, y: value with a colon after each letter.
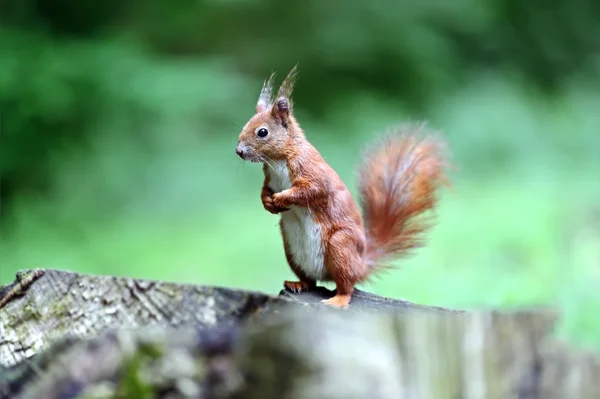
x: 398, y: 181
x: 323, y: 232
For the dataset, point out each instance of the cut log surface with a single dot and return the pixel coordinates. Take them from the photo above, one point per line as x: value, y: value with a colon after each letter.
x: 60, y: 304
x: 67, y: 335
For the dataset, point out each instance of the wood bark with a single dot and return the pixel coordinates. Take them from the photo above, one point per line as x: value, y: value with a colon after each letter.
x: 68, y: 335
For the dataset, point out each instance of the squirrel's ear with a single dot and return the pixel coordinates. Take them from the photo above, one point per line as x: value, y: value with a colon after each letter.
x: 281, y: 110
x: 264, y: 100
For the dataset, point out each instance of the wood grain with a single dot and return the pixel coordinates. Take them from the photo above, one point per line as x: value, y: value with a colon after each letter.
x: 66, y: 335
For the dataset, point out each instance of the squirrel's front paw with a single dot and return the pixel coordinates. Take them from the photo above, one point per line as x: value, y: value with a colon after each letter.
x: 279, y: 201
x: 270, y: 206
x: 274, y: 209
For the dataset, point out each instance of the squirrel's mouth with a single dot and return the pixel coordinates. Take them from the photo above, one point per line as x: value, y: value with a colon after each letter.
x: 252, y: 158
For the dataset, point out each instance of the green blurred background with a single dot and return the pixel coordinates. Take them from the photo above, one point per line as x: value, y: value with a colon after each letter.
x: 119, y: 122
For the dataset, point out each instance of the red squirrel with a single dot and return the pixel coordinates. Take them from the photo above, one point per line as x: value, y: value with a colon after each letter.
x: 325, y: 238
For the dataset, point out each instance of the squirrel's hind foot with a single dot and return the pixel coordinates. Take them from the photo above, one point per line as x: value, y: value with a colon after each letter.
x: 338, y: 301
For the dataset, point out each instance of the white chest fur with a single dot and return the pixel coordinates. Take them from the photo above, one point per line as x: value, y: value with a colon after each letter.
x: 303, y: 234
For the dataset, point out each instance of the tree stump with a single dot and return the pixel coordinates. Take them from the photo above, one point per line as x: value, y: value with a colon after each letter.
x: 68, y: 335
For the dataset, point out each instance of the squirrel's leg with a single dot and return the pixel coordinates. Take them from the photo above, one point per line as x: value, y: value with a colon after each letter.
x: 306, y: 283
x: 345, y: 266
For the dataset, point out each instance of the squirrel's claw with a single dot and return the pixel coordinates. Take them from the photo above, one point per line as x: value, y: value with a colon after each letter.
x: 297, y: 286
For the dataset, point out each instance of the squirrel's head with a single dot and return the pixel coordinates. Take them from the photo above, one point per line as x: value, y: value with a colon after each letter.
x: 267, y: 134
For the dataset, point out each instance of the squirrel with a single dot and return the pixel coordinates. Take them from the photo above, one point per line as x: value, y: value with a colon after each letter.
x: 325, y: 237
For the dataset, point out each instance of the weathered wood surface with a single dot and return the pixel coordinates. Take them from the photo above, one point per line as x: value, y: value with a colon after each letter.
x: 365, y: 302
x: 414, y: 355
x: 58, y: 304
x: 74, y: 336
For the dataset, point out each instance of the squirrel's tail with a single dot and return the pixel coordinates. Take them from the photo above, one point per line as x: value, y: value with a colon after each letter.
x: 397, y: 186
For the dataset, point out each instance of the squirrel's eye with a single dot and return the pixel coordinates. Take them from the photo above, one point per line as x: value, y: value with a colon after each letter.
x: 262, y: 132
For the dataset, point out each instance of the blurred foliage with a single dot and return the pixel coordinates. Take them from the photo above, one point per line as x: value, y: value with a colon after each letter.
x: 119, y: 121
x: 55, y: 62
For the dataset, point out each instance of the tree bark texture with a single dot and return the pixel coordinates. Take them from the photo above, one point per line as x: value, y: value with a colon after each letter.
x: 67, y: 335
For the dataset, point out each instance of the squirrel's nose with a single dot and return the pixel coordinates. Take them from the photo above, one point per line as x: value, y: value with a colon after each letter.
x: 239, y: 151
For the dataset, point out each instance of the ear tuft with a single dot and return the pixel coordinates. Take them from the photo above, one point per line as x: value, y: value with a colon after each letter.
x: 287, y: 86
x: 282, y: 108
x: 264, y: 99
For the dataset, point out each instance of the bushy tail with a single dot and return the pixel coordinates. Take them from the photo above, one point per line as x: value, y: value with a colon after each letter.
x: 397, y: 186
